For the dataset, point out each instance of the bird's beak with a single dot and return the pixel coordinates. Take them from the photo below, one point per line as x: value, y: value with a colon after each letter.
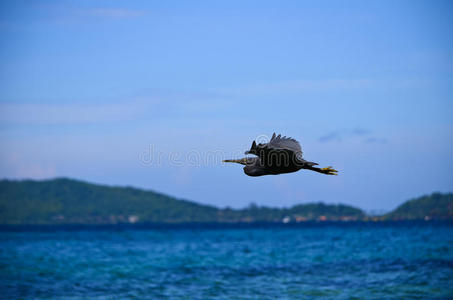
x: 242, y: 161
x: 246, y: 152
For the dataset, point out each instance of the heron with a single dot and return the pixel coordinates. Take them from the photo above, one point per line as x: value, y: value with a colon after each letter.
x: 280, y: 155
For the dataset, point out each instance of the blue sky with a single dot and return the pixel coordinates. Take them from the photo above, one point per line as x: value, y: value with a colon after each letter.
x: 89, y: 88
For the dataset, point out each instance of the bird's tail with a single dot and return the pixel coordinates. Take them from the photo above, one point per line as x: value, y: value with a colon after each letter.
x: 327, y: 171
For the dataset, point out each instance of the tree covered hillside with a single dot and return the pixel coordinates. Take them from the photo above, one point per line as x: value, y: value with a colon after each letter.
x: 434, y: 206
x: 70, y: 201
x: 67, y: 201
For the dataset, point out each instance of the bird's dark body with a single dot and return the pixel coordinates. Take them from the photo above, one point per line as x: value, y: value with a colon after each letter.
x: 281, y: 155
x: 251, y: 171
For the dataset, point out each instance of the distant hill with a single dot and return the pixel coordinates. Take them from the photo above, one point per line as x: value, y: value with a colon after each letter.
x: 68, y: 201
x: 435, y: 206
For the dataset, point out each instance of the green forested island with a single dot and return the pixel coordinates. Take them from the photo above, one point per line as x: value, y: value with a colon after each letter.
x: 68, y: 201
x: 434, y: 206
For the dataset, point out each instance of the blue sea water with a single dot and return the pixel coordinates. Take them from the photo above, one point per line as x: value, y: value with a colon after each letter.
x: 304, y: 261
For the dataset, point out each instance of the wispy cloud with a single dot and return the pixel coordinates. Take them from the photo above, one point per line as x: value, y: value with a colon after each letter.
x: 375, y: 140
x: 59, y: 114
x: 159, y: 106
x: 364, y: 135
x: 331, y: 85
x: 305, y: 85
x: 118, y: 13
x: 18, y: 166
x: 340, y: 135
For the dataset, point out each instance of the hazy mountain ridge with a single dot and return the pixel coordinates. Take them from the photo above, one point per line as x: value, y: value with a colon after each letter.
x: 68, y: 201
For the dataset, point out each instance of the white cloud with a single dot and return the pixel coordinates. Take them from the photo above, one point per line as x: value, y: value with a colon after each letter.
x: 364, y: 134
x: 329, y: 85
x: 14, y: 165
x: 118, y: 13
x: 55, y: 114
x: 304, y: 85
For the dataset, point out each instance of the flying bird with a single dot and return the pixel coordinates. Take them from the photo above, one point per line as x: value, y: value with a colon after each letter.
x: 280, y: 155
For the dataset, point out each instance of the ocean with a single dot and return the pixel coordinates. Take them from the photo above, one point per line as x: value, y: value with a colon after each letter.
x: 403, y: 260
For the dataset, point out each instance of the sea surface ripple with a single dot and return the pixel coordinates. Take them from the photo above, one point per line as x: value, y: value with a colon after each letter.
x: 334, y: 261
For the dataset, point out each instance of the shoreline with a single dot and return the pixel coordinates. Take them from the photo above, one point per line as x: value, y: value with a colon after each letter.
x: 218, y: 225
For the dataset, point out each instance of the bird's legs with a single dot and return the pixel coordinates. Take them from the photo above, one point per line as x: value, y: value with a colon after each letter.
x: 327, y: 171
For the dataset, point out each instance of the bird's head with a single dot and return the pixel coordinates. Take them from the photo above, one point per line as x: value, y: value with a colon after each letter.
x: 252, y: 149
x: 252, y: 165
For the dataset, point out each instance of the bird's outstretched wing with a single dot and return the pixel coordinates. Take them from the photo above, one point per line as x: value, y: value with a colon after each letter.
x: 278, y: 145
x: 286, y: 143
